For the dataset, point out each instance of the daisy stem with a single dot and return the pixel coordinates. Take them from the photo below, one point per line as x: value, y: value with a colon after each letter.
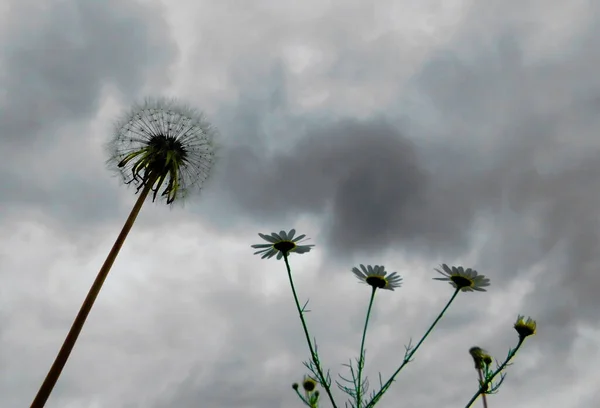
x: 483, y: 396
x: 361, y: 358
x: 411, y: 353
x: 488, y: 380
x: 313, y: 354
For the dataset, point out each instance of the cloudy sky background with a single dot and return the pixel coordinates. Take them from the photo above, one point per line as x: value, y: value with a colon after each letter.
x: 397, y: 132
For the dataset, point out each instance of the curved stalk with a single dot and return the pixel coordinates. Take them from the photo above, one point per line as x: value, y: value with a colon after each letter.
x: 410, y: 354
x: 361, y: 358
x: 63, y: 355
x: 313, y: 354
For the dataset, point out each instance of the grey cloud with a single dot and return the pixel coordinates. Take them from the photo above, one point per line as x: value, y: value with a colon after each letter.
x: 58, y: 60
x: 366, y: 177
x: 502, y: 147
x: 533, y: 127
x: 499, y: 150
x: 370, y: 183
x: 59, y: 63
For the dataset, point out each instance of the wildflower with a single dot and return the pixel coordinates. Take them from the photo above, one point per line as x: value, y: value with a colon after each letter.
x: 309, y: 384
x: 466, y: 280
x: 157, y: 145
x: 524, y: 327
x: 281, y: 244
x: 480, y: 357
x: 163, y: 144
x: 377, y: 277
x: 314, y: 399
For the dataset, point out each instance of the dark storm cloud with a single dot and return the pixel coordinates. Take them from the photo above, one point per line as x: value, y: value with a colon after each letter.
x: 57, y: 63
x: 366, y: 176
x: 370, y: 181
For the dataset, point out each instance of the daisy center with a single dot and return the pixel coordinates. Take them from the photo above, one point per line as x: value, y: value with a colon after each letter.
x: 376, y: 281
x: 524, y: 330
x: 309, y: 385
x: 284, y: 246
x: 461, y: 281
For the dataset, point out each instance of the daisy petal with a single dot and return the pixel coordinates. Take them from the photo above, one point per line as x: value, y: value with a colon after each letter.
x: 298, y: 238
x: 261, y: 245
x: 268, y: 238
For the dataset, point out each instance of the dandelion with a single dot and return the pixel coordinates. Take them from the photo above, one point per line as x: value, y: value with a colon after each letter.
x: 281, y: 244
x: 159, y: 145
x: 377, y: 277
x: 524, y: 327
x: 163, y: 145
x: 466, y: 280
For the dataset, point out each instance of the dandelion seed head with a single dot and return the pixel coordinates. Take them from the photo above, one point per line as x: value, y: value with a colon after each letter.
x: 166, y: 144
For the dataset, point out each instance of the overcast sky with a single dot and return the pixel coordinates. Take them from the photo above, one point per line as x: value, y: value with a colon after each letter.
x: 391, y: 132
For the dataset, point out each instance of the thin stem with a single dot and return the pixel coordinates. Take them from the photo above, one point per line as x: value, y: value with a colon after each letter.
x: 313, y: 355
x: 63, y: 355
x: 483, y: 388
x: 361, y: 358
x: 481, y: 381
x: 410, y: 354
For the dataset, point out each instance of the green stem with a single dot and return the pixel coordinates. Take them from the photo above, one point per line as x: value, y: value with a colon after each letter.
x: 361, y: 358
x: 313, y: 354
x: 410, y: 354
x: 69, y: 342
x: 487, y: 382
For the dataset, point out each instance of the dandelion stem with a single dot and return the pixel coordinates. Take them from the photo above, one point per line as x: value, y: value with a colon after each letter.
x: 411, y: 353
x: 484, y: 386
x: 313, y: 354
x: 361, y: 358
x: 69, y: 342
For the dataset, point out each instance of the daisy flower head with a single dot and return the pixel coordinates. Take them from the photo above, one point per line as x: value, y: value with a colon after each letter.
x: 467, y: 280
x: 377, y: 277
x: 525, y: 328
x: 281, y: 244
